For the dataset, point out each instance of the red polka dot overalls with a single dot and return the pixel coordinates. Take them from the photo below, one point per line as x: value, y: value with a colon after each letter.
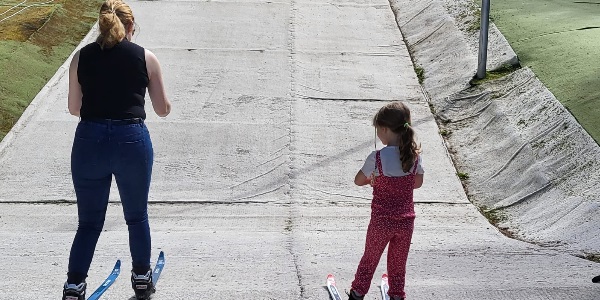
x: 392, y: 221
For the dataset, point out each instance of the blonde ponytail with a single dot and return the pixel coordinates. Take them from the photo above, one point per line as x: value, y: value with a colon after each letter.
x: 115, y: 17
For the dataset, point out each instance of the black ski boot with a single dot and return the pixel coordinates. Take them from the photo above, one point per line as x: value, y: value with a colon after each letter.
x: 142, y: 285
x: 74, y: 291
x: 352, y: 296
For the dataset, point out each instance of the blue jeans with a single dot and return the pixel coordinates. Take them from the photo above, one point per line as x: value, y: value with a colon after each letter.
x: 101, y: 150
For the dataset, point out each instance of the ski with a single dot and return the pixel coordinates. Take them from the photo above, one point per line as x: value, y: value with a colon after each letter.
x: 107, y: 282
x: 384, y: 287
x: 333, y: 291
x: 160, y: 263
x: 596, y: 279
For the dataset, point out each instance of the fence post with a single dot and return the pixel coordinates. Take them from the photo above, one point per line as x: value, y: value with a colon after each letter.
x: 483, y: 38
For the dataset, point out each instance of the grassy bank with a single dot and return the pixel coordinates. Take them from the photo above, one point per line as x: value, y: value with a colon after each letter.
x: 560, y: 41
x: 34, y: 43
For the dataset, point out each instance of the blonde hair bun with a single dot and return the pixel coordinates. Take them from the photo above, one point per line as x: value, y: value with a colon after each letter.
x: 115, y: 16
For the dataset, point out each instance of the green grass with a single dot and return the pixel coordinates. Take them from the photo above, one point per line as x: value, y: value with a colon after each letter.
x: 33, y: 45
x: 462, y: 176
x: 549, y: 37
x: 494, y: 216
x: 495, y: 74
x: 445, y: 132
x: 420, y: 73
x: 475, y: 25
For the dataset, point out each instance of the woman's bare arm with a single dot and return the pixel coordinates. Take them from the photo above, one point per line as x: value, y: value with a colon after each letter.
x: 156, y: 88
x: 75, y: 94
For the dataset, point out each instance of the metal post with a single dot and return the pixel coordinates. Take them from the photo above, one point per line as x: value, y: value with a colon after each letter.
x: 483, y: 38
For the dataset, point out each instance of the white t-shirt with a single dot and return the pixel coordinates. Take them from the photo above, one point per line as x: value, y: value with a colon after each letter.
x: 390, y: 163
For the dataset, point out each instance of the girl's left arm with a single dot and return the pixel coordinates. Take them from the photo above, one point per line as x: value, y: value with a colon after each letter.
x: 418, y: 181
x: 419, y: 173
x: 361, y: 179
x: 75, y: 93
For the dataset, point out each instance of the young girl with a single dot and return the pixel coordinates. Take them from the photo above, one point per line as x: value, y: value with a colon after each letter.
x: 394, y: 172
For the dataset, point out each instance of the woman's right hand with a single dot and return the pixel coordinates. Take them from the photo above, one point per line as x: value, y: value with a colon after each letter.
x: 156, y: 88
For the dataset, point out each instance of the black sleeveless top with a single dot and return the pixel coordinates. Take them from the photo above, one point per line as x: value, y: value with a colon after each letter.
x: 113, y: 81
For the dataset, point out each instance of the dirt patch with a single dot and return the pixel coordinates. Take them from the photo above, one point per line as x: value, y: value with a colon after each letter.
x: 23, y: 25
x: 50, y: 24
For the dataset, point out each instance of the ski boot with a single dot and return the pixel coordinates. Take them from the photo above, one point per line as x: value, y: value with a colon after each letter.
x: 142, y: 285
x: 74, y: 291
x: 352, y: 296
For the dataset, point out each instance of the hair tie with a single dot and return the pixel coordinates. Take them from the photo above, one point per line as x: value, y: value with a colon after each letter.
x: 406, y: 125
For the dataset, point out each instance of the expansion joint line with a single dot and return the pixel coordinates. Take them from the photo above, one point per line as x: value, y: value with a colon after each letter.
x: 289, y: 230
x: 293, y: 214
x: 152, y: 202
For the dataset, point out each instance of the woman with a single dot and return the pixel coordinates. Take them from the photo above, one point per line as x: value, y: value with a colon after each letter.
x: 107, y: 84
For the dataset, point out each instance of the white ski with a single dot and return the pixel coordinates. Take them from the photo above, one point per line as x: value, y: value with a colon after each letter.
x: 333, y: 291
x: 384, y: 287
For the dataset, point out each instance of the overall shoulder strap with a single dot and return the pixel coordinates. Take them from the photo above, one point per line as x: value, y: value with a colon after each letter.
x: 378, y: 163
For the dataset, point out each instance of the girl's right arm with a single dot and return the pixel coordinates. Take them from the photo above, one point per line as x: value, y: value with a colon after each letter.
x: 361, y: 179
x: 156, y: 88
x: 369, y: 166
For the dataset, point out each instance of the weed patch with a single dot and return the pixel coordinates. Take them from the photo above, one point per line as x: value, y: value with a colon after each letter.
x: 462, y: 176
x: 494, y: 216
x: 420, y: 73
x: 446, y: 133
x: 495, y: 74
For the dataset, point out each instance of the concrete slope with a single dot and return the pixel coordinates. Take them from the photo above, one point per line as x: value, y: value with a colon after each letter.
x: 252, y: 195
